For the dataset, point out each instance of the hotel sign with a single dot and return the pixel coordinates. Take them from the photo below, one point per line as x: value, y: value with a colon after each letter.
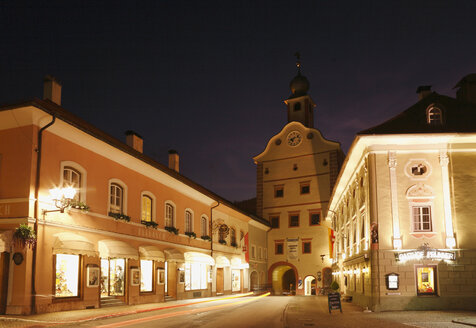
x: 425, y: 253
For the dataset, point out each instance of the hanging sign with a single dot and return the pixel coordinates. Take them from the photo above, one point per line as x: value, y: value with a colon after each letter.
x: 293, y: 248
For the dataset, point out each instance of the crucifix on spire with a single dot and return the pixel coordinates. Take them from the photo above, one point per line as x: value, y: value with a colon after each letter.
x: 298, y: 60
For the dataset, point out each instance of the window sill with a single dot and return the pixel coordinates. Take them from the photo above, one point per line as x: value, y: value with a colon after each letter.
x: 421, y: 234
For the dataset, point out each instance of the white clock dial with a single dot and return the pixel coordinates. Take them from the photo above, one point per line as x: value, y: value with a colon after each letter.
x: 294, y: 138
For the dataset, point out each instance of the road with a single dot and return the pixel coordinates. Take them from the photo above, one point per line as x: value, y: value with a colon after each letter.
x: 273, y: 311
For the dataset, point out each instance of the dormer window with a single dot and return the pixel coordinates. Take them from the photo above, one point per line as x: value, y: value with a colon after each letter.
x: 434, y: 116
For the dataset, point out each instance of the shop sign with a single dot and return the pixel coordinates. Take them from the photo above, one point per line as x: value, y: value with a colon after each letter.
x: 425, y: 253
x: 333, y: 301
x: 293, y: 248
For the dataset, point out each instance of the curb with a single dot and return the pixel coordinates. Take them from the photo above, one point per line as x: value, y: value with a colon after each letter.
x: 464, y: 323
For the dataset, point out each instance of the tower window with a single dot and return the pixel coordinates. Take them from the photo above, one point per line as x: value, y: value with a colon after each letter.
x: 297, y: 107
x: 306, y: 247
x: 294, y: 220
x: 278, y: 247
x: 279, y: 191
x: 314, y: 218
x: 274, y: 222
x: 305, y: 188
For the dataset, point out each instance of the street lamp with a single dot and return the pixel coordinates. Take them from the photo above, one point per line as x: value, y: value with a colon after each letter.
x: 62, y: 198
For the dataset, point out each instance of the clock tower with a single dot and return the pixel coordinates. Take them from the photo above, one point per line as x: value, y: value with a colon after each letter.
x: 300, y: 105
x: 295, y: 176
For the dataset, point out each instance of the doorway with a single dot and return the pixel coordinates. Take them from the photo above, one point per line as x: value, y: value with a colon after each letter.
x: 309, y: 286
x: 171, y: 279
x: 4, y: 271
x: 220, y: 281
x: 283, y: 279
x: 254, y: 284
x: 113, y: 277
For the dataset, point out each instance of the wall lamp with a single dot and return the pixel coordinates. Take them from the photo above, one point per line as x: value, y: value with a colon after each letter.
x: 62, y: 198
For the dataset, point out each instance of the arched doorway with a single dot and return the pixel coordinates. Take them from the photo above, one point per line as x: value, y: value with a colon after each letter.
x: 283, y: 277
x: 254, y: 281
x: 309, y: 286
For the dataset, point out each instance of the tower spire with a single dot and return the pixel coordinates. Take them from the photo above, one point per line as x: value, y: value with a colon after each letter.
x: 298, y: 61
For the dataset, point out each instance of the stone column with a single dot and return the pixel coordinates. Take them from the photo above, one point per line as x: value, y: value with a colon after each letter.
x: 450, y: 239
x: 392, y: 165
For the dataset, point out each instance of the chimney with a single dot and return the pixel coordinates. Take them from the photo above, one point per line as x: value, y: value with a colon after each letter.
x: 52, y: 89
x: 174, y: 160
x: 423, y: 91
x: 467, y: 89
x: 134, y: 140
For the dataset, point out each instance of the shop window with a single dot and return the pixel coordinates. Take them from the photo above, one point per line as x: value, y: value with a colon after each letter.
x: 294, y: 220
x: 146, y: 275
x: 279, y: 191
x: 188, y: 221
x: 169, y: 215
x: 279, y: 247
x: 235, y: 280
x: 305, y: 188
x: 116, y: 198
x: 314, y: 218
x: 421, y: 218
x: 306, y: 247
x: 112, y: 277
x: 72, y: 178
x: 195, y: 276
x: 67, y: 275
x: 146, y: 208
x: 426, y: 280
x: 204, y: 226
x: 274, y: 222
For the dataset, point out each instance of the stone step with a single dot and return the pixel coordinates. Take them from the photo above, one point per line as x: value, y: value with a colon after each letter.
x: 111, y: 301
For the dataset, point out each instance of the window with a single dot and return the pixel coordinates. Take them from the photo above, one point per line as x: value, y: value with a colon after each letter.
x: 279, y: 191
x: 169, y: 215
x: 421, y: 218
x: 253, y: 251
x: 305, y: 188
x: 233, y: 237
x: 188, y: 221
x: 195, y: 276
x: 434, y: 116
x: 72, y: 178
x: 293, y: 220
x: 279, y: 247
x: 146, y: 275
x: 67, y: 275
x: 314, y: 218
x: 117, y: 197
x: 297, y: 107
x: 306, y: 247
x: 274, y: 222
x: 260, y: 253
x: 222, y: 233
x: 426, y: 280
x: 204, y: 226
x: 146, y: 208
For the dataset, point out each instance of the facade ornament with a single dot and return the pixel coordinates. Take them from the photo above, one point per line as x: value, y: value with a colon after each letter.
x: 444, y: 160
x: 392, y: 159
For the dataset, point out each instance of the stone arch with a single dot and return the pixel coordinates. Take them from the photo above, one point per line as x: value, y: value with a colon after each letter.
x: 279, y: 269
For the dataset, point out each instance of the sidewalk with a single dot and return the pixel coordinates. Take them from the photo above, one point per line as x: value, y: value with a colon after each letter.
x: 76, y: 316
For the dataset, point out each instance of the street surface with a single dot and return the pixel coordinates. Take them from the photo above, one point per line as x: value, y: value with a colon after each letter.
x: 277, y: 311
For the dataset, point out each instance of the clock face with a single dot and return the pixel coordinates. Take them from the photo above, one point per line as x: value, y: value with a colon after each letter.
x: 294, y: 138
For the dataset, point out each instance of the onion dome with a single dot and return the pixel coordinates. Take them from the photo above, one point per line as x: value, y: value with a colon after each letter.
x: 300, y: 84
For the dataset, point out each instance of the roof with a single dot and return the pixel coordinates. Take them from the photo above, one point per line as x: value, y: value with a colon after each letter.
x: 458, y: 116
x: 61, y: 113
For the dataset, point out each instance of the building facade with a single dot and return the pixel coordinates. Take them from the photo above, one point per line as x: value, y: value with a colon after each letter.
x: 132, y: 231
x: 402, y: 208
x: 295, y: 176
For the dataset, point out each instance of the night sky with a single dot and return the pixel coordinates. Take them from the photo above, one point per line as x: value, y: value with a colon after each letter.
x: 208, y: 78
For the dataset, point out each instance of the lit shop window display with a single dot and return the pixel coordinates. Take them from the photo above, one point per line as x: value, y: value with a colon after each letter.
x: 146, y: 274
x: 426, y: 280
x: 67, y: 275
x: 195, y: 276
x: 235, y: 280
x: 112, y: 277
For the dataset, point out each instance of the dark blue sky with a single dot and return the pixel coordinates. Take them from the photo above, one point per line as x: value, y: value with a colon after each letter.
x: 208, y: 78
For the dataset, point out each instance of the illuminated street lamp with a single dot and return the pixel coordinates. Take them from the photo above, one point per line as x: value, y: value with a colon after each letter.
x: 62, y: 198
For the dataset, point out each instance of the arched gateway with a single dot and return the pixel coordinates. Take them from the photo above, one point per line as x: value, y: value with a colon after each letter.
x: 283, y: 276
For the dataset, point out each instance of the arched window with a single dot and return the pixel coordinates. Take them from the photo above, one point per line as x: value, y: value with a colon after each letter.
x: 146, y: 208
x: 72, y: 178
x: 116, y: 198
x: 188, y: 221
x: 233, y: 237
x: 434, y: 116
x: 204, y: 226
x: 169, y: 215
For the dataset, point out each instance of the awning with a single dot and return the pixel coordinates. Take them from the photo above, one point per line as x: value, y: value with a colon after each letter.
x: 222, y: 261
x: 71, y: 243
x: 5, y: 240
x: 196, y: 257
x: 151, y: 253
x: 117, y: 249
x: 173, y: 255
x: 237, y: 263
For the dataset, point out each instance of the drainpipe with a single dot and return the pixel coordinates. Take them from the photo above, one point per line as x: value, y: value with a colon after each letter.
x: 211, y: 227
x: 36, y: 209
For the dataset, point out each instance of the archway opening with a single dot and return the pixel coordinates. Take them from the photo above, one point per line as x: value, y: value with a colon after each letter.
x: 254, y: 283
x: 309, y: 286
x: 284, y: 280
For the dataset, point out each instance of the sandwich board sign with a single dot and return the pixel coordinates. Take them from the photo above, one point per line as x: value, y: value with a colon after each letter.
x: 333, y: 300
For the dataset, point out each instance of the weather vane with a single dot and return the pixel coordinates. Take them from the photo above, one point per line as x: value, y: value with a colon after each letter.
x: 298, y: 60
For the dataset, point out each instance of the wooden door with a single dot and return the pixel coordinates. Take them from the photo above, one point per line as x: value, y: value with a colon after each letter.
x: 220, y: 287
x: 4, y: 268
